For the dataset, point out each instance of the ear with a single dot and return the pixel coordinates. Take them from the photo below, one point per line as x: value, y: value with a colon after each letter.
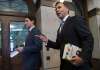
x: 33, y: 22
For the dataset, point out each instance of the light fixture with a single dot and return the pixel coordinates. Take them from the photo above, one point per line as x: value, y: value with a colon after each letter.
x: 34, y: 1
x: 62, y: 1
x: 12, y: 26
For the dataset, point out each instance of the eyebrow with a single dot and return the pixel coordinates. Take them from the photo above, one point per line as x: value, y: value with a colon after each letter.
x: 58, y: 7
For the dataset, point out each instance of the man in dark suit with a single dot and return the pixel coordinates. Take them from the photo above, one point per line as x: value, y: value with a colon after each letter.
x: 74, y: 31
x: 31, y: 53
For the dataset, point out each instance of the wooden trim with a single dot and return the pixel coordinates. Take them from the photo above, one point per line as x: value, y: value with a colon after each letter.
x: 6, y: 19
x: 96, y: 64
x: 17, y: 14
x: 0, y: 62
x: 5, y: 44
x: 32, y: 7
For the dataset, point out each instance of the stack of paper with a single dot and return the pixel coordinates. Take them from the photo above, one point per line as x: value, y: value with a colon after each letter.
x: 70, y: 51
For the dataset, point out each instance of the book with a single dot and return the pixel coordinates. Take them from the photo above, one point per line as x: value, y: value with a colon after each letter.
x: 70, y: 51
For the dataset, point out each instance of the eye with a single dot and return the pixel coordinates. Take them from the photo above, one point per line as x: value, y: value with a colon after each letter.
x: 26, y: 20
x: 58, y: 7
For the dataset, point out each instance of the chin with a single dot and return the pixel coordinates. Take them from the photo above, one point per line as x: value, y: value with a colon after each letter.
x: 60, y: 16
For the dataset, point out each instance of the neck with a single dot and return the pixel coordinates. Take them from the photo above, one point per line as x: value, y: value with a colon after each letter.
x: 31, y: 28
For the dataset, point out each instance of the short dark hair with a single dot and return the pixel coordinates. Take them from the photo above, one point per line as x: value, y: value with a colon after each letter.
x: 57, y: 3
x: 31, y: 17
x: 65, y: 4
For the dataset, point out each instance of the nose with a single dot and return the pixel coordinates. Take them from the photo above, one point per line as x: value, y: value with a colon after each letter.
x: 57, y: 9
x: 25, y: 23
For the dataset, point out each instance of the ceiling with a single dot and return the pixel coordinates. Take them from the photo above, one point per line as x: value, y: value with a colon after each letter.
x: 13, y: 5
x: 18, y: 5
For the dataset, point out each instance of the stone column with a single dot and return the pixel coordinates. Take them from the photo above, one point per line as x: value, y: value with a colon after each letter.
x: 94, y: 23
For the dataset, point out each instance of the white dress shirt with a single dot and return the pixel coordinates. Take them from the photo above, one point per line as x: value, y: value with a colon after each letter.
x: 31, y: 28
x: 62, y: 23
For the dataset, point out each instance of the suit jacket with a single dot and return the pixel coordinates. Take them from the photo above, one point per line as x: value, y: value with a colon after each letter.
x: 75, y: 31
x: 31, y: 52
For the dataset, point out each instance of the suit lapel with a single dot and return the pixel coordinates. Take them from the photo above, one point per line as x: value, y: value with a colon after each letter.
x: 66, y: 22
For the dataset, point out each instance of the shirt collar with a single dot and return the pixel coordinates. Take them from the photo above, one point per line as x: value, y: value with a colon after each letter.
x: 64, y: 19
x: 31, y: 28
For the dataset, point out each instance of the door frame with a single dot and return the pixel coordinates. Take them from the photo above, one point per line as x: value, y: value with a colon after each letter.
x: 6, y: 18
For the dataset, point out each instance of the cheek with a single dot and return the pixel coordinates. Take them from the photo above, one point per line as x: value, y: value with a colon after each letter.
x: 26, y: 24
x: 29, y: 25
x: 62, y: 13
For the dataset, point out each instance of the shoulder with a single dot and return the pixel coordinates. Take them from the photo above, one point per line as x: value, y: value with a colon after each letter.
x: 36, y: 31
x: 80, y: 20
x: 77, y: 18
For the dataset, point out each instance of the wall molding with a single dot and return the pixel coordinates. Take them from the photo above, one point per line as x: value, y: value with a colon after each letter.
x: 94, y: 12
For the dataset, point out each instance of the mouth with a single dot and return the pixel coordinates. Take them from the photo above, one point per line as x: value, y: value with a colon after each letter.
x: 58, y: 13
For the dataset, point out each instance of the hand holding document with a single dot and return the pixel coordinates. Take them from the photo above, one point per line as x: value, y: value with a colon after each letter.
x: 17, y: 51
x: 70, y: 51
x: 14, y: 53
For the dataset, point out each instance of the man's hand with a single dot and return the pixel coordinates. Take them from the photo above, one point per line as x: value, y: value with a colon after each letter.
x: 19, y: 49
x: 76, y: 60
x: 42, y: 37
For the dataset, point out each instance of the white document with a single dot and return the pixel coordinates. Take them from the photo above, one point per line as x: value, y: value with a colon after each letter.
x: 13, y: 54
x: 70, y: 51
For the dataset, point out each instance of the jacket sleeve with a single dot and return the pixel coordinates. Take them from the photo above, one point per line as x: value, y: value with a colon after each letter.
x: 35, y: 48
x: 35, y: 45
x: 85, y: 37
x: 52, y: 44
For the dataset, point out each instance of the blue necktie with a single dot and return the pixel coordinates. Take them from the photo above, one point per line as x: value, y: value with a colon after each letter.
x: 61, y: 26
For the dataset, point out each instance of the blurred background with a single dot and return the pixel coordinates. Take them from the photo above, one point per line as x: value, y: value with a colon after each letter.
x: 13, y: 32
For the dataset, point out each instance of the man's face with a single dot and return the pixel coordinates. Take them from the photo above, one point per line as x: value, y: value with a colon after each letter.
x: 28, y: 23
x: 61, y: 10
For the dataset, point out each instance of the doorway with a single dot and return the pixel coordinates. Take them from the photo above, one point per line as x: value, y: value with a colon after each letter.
x: 12, y: 35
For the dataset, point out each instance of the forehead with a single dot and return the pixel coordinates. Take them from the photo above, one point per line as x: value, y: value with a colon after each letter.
x: 59, y: 4
x: 26, y: 18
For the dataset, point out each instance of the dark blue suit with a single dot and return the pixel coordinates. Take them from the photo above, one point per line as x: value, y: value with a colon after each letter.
x: 31, y: 53
x: 74, y: 31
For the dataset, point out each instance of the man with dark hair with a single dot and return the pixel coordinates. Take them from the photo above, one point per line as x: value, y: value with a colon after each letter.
x: 73, y: 30
x: 31, y: 17
x: 31, y: 55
